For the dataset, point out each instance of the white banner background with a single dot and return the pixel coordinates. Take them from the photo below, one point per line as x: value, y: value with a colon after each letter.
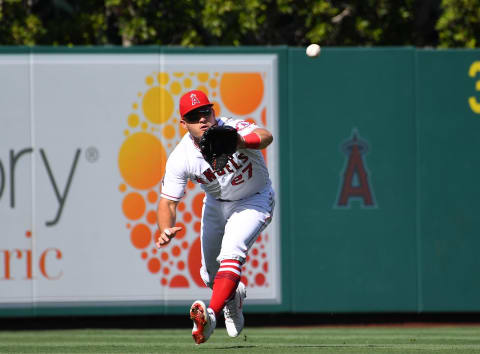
x: 71, y: 114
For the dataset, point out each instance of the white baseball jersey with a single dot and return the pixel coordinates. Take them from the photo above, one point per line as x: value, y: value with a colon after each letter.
x: 244, y: 175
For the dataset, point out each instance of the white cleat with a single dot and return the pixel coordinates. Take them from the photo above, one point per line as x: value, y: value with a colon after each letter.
x: 234, y: 320
x: 204, y: 322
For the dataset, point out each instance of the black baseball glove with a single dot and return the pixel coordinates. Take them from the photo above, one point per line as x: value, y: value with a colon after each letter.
x: 217, y: 144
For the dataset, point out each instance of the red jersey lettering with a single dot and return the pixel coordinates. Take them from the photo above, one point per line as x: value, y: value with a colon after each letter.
x: 248, y: 169
x: 237, y: 180
x: 243, y: 157
x: 232, y: 161
x: 199, y: 180
x: 210, y: 175
x: 228, y: 168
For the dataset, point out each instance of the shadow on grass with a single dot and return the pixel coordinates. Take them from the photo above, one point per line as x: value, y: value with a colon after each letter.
x: 233, y: 347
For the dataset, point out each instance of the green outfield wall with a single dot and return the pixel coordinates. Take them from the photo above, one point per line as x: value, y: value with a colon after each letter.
x: 413, y: 246
x: 448, y: 120
x: 378, y: 168
x: 359, y: 255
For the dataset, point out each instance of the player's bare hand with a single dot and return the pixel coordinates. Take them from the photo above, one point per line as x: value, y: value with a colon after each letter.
x: 167, y: 235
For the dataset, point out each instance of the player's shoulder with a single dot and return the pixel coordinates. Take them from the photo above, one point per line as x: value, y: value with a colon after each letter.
x: 178, y: 160
x: 238, y: 124
x: 183, y: 148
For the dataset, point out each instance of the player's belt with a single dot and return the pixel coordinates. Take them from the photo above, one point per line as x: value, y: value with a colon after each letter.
x: 227, y: 200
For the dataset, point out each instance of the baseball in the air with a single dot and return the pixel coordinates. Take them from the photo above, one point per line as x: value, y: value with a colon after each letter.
x: 313, y: 50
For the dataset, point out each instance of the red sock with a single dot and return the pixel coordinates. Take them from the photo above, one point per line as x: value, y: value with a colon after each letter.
x: 225, y: 284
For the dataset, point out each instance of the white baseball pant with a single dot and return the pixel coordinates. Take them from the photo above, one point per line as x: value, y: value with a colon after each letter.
x: 229, y: 229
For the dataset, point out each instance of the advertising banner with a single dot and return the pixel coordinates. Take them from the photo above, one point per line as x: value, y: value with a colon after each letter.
x: 83, y: 146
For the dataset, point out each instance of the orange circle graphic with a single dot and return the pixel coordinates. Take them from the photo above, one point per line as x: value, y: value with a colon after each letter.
x: 187, y: 83
x: 133, y: 120
x: 152, y: 196
x: 153, y: 265
x: 141, y: 160
x: 197, y: 204
x: 195, y: 262
x: 169, y: 131
x: 165, y: 256
x: 176, y: 251
x: 259, y: 279
x: 217, y: 108
x: 187, y: 217
x: 140, y: 236
x: 203, y: 89
x: 133, y: 206
x: 156, y: 235
x: 175, y: 88
x: 181, y: 265
x: 181, y: 234
x: 157, y: 105
x: 242, y: 93
x: 151, y: 130
x: 197, y: 227
x: 179, y: 281
x: 162, y: 78
x: 202, y: 77
x: 152, y: 217
x: 181, y: 206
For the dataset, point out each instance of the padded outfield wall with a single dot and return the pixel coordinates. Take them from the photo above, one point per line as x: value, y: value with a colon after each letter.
x: 375, y: 164
x: 406, y: 237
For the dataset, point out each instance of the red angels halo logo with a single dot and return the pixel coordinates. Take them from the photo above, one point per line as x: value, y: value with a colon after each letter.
x: 354, y: 182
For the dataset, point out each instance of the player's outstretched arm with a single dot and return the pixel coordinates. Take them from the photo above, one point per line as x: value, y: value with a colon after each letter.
x: 258, y: 139
x: 166, y: 216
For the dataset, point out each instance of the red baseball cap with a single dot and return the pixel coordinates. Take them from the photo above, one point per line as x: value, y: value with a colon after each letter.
x: 192, y: 100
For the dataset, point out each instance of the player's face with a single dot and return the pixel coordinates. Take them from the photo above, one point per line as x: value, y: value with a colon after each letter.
x: 198, y: 121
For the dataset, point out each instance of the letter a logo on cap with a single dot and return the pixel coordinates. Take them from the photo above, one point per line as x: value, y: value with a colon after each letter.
x: 195, y: 100
x: 192, y: 100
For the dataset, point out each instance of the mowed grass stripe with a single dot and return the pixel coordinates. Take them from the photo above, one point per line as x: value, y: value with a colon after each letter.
x: 274, y: 340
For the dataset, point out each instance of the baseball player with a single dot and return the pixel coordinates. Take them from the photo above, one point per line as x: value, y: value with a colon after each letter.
x: 238, y: 205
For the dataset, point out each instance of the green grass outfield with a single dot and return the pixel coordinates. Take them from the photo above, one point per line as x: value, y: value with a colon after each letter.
x: 369, y: 339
